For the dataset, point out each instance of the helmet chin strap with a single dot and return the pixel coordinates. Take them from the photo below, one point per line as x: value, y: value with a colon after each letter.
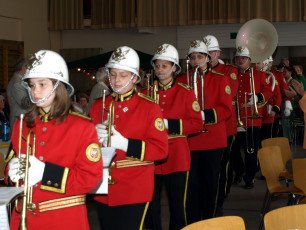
x: 242, y: 65
x: 123, y: 87
x: 45, y: 98
x: 164, y: 75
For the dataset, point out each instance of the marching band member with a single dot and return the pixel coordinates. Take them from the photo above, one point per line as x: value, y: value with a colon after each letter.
x: 248, y: 138
x: 67, y: 162
x: 231, y: 123
x: 182, y: 116
x: 272, y: 107
x: 207, y: 147
x: 286, y: 101
x: 139, y: 137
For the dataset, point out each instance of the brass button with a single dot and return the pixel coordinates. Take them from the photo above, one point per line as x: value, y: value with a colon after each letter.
x: 44, y: 129
x: 119, y: 106
x: 117, y: 116
x: 42, y: 143
x: 49, y: 182
x: 34, y: 214
x: 56, y: 185
x: 164, y: 95
x: 162, y: 109
x: 163, y: 102
x: 41, y: 158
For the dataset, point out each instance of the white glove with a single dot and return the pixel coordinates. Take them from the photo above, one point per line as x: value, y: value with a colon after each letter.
x: 36, y: 170
x: 14, y: 173
x: 166, y: 123
x: 251, y: 99
x: 102, y: 132
x: 118, y: 141
x: 203, y: 115
x: 288, y: 108
x: 269, y: 109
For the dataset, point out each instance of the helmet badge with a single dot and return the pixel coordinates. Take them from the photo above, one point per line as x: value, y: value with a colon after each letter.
x: 207, y: 41
x: 119, y: 55
x: 161, y: 49
x: 34, y: 61
x: 240, y: 49
x: 195, y: 44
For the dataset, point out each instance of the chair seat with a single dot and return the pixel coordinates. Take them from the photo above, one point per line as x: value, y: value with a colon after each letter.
x: 286, y: 175
x: 281, y: 190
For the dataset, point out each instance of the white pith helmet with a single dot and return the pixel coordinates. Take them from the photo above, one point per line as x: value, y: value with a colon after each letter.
x: 242, y: 51
x: 124, y: 58
x: 198, y: 46
x: 169, y: 53
x: 48, y: 64
x: 211, y: 42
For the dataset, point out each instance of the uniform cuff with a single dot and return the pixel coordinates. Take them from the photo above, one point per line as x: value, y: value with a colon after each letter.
x: 210, y: 116
x: 136, y: 149
x: 261, y: 97
x: 276, y: 109
x: 54, y: 178
x: 175, y: 126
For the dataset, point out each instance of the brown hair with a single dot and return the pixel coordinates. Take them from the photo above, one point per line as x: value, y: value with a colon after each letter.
x: 59, y: 109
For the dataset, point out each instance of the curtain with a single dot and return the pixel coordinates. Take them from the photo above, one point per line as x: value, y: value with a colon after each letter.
x: 66, y: 15
x: 113, y: 14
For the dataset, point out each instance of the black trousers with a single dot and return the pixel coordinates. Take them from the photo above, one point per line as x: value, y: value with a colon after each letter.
x: 223, y: 179
x: 203, y: 184
x: 248, y: 141
x: 176, y: 186
x: 276, y: 127
x: 127, y: 217
x: 230, y: 174
x: 265, y: 131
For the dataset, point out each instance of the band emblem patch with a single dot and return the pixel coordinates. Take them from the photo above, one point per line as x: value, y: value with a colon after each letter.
x: 159, y: 124
x: 196, y: 106
x: 228, y: 90
x: 233, y: 76
x: 93, y: 152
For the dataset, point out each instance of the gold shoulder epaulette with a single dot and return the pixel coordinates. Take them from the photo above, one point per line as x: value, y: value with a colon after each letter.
x: 184, y: 86
x: 216, y: 72
x: 232, y: 65
x: 145, y: 97
x: 80, y: 115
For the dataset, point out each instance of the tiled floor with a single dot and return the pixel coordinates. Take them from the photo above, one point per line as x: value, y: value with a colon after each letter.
x: 241, y: 202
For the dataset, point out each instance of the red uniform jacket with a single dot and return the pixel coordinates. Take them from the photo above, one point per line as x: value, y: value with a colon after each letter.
x: 180, y: 106
x: 141, y: 121
x: 262, y: 90
x: 73, y: 168
x: 279, y: 76
x: 232, y: 72
x: 217, y: 109
x: 274, y: 101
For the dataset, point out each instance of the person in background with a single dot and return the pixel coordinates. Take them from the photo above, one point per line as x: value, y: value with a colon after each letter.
x: 139, y: 137
x: 17, y: 95
x: 99, y: 87
x: 83, y: 102
x: 299, y: 76
x: 3, y: 115
x: 67, y: 163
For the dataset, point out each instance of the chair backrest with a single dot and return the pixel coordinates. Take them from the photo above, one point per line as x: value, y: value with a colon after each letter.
x: 289, y: 217
x: 218, y: 223
x: 284, y: 145
x: 2, y: 164
x: 299, y: 173
x: 271, y: 164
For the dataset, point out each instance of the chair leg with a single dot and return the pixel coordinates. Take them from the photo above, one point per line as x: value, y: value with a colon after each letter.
x: 265, y: 210
x: 264, y: 202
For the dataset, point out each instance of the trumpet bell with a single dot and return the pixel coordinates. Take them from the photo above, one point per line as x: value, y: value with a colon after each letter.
x: 260, y: 37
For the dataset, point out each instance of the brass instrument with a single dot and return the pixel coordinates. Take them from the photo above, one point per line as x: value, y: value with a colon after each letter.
x: 27, y: 196
x: 239, y: 121
x: 202, y: 99
x: 155, y: 95
x: 255, y: 113
x: 109, y: 132
x: 187, y: 71
x: 194, y: 80
x: 148, y: 75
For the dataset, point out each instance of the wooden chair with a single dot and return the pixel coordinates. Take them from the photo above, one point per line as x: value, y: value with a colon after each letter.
x: 218, y: 223
x: 299, y: 175
x: 271, y: 163
x: 290, y: 217
x: 284, y: 145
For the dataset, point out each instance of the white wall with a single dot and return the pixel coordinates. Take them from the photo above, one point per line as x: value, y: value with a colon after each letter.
x: 26, y: 21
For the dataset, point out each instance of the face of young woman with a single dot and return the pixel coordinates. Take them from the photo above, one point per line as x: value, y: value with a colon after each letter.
x: 40, y: 88
x: 119, y: 79
x: 163, y: 67
x: 198, y: 59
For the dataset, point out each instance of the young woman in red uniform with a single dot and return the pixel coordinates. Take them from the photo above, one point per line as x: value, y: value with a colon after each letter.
x: 139, y: 137
x: 67, y: 162
x: 182, y: 116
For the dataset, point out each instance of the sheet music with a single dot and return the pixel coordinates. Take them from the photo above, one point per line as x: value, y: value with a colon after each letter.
x: 4, y: 224
x: 108, y: 154
x: 6, y: 195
